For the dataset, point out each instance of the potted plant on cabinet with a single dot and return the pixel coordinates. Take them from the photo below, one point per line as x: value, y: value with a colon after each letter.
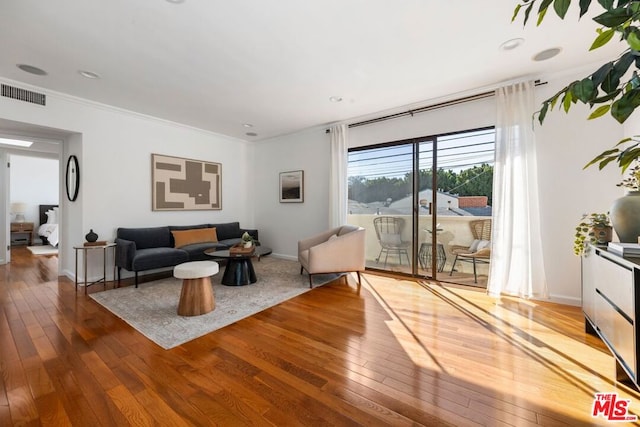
x: 593, y: 228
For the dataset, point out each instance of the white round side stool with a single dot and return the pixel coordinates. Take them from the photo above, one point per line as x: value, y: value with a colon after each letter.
x: 197, y: 296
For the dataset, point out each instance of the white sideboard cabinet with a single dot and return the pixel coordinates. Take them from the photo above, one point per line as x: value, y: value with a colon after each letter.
x: 610, y: 291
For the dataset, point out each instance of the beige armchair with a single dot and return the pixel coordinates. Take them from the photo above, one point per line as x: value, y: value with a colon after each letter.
x: 338, y: 250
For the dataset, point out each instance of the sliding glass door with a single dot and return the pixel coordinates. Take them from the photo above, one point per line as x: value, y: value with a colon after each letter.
x: 431, y: 255
x: 424, y: 223
x: 381, y: 201
x: 465, y: 183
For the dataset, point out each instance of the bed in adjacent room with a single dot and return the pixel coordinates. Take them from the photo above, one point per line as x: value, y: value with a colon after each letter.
x: 48, y: 229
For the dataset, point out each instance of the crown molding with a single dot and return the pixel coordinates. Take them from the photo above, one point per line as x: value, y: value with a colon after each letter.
x: 110, y: 108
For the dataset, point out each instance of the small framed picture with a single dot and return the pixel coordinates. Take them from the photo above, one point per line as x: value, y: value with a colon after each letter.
x: 292, y: 187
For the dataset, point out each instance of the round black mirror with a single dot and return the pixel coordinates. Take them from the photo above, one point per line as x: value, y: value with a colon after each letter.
x: 73, y: 178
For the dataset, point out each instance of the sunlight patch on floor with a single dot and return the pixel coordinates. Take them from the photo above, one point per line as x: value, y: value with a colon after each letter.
x: 527, y: 347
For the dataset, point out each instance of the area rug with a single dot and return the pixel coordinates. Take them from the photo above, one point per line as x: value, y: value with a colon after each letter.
x: 43, y: 250
x: 151, y: 308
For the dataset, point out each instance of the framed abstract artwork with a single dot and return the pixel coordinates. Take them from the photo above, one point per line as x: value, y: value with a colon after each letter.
x: 292, y: 187
x: 185, y: 184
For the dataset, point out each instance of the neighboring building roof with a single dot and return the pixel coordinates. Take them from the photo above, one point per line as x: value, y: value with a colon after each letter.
x: 447, y: 206
x: 444, y: 200
x: 484, y: 211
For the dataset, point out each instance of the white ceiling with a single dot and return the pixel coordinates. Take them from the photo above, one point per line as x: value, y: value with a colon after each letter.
x: 216, y: 64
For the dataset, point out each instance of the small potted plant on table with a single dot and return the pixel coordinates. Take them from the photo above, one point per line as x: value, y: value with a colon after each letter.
x: 247, y: 240
x: 593, y: 228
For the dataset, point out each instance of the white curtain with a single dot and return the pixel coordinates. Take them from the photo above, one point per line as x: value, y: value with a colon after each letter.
x: 516, y: 259
x: 338, y: 177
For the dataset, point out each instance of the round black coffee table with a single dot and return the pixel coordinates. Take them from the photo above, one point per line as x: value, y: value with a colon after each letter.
x: 239, y: 270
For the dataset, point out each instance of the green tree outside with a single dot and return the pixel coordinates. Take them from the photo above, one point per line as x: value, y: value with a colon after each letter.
x: 475, y: 181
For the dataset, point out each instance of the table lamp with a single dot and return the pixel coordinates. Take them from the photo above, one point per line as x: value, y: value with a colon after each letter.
x: 18, y: 209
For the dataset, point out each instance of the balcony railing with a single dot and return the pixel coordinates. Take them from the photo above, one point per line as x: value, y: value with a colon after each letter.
x: 455, y: 230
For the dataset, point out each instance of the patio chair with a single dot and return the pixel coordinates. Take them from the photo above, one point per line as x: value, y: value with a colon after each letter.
x: 479, y: 252
x: 389, y: 233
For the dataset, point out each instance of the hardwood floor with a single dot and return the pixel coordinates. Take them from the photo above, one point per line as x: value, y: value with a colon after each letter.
x: 399, y: 353
x: 456, y: 277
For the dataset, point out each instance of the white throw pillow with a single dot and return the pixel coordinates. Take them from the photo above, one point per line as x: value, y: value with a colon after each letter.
x: 474, y: 245
x: 484, y: 244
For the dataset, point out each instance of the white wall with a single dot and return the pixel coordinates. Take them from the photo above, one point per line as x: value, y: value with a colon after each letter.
x: 281, y: 225
x: 470, y: 115
x: 566, y: 142
x: 114, y: 150
x: 632, y: 125
x: 34, y: 181
x: 72, y: 214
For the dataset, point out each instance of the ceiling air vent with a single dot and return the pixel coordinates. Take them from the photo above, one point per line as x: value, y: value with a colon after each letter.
x: 24, y: 95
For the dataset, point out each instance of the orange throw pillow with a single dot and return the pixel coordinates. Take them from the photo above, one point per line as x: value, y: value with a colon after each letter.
x: 196, y: 235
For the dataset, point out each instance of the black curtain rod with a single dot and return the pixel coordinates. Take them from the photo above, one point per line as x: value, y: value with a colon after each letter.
x: 462, y: 100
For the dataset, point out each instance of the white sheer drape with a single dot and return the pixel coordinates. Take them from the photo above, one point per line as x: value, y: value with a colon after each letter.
x: 516, y: 259
x: 338, y: 177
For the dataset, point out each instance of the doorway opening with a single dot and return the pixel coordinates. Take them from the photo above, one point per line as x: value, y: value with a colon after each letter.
x: 31, y: 179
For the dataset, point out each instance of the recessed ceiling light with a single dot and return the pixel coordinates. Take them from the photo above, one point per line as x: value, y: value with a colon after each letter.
x: 175, y: 1
x: 32, y: 70
x: 335, y: 98
x: 247, y: 125
x: 251, y: 134
x: 16, y: 142
x: 512, y: 44
x: 89, y: 74
x: 546, y: 54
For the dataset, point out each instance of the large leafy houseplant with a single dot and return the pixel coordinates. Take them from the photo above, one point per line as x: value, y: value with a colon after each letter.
x: 614, y: 87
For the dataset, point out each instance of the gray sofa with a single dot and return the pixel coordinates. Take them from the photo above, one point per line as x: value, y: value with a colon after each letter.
x: 140, y: 249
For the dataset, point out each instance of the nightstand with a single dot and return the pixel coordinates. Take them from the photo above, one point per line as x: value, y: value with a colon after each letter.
x: 21, y: 233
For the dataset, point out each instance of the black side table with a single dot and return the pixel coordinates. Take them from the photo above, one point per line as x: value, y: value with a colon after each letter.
x: 424, y: 256
x: 239, y: 270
